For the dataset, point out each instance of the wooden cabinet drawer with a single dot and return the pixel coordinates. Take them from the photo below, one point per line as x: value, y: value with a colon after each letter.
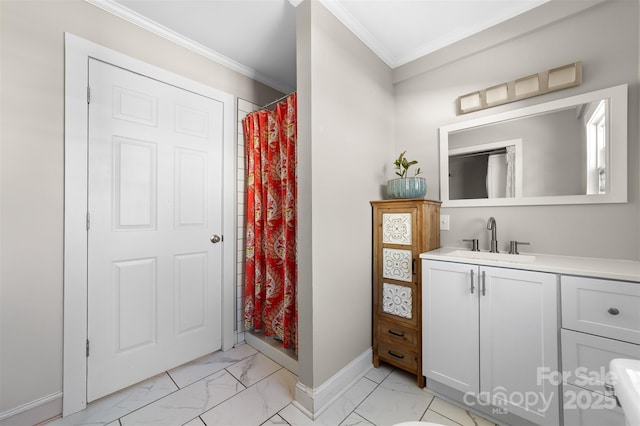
x: 398, y: 355
x: 396, y: 334
x: 585, y: 358
x: 584, y: 408
x: 603, y: 307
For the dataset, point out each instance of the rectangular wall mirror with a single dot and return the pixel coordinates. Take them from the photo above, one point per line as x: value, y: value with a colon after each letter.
x: 568, y: 151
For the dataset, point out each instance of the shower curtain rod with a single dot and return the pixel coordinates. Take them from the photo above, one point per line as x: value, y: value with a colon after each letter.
x: 475, y: 154
x: 278, y: 100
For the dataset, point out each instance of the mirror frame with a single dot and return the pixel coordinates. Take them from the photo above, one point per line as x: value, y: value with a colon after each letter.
x: 618, y: 111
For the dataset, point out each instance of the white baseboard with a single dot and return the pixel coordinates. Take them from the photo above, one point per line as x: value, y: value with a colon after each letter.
x: 33, y: 412
x: 313, y: 401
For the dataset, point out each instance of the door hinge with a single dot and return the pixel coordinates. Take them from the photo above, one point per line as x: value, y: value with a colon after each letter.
x: 87, y: 348
x: 88, y: 94
x: 88, y: 221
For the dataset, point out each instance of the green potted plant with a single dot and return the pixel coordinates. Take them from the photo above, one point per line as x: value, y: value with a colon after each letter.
x: 406, y: 186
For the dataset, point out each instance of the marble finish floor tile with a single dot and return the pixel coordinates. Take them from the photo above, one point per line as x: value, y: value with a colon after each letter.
x: 355, y: 420
x: 118, y: 404
x: 256, y: 404
x: 244, y: 387
x: 276, y: 421
x: 337, y: 411
x: 380, y: 373
x: 397, y: 399
x: 433, y: 417
x: 187, y: 403
x: 253, y: 369
x: 457, y: 414
x: 202, y: 367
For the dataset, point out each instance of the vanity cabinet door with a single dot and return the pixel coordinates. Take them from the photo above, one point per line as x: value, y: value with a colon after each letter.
x: 579, y: 408
x: 586, y: 358
x: 490, y: 332
x: 450, y: 324
x: 519, y: 341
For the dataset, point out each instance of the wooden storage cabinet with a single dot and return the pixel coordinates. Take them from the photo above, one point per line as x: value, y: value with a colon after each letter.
x: 402, y: 229
x: 600, y: 322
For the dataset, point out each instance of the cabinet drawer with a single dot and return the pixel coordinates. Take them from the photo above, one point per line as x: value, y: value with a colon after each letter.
x: 585, y: 358
x: 584, y: 408
x: 396, y: 334
x: 602, y: 307
x: 398, y: 356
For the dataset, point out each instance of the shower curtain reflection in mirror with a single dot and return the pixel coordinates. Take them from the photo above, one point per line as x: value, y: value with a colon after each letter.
x: 491, y: 170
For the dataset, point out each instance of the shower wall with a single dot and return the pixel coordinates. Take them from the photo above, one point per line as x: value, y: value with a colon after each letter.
x: 244, y: 108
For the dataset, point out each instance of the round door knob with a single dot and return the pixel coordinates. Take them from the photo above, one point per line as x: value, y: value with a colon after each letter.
x: 215, y: 239
x: 613, y: 311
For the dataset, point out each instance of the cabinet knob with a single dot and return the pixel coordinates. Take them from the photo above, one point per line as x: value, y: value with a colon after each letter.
x: 613, y: 311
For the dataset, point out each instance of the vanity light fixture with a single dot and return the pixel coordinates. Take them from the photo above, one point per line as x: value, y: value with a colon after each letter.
x: 563, y: 77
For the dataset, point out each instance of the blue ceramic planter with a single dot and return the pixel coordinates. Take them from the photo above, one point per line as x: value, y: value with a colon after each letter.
x: 411, y: 187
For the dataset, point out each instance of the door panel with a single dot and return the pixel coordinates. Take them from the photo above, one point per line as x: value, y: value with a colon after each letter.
x: 450, y: 324
x: 154, y: 277
x: 519, y: 342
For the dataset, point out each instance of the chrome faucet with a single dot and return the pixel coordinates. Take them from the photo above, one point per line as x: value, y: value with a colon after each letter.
x: 491, y: 225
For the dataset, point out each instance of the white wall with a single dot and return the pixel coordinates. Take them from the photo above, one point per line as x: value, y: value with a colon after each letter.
x: 345, y: 137
x: 605, y: 38
x: 31, y: 172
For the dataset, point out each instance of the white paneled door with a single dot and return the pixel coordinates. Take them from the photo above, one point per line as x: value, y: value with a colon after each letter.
x: 154, y: 267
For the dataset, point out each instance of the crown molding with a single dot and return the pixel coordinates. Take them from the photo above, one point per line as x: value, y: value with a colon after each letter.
x: 347, y: 19
x: 166, y: 33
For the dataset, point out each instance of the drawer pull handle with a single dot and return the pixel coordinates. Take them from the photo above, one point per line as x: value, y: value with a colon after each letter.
x: 484, y: 282
x: 613, y: 311
x: 395, y: 333
x: 395, y: 355
x: 610, y: 390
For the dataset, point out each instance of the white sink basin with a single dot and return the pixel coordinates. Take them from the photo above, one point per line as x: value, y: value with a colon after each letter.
x: 499, y: 257
x: 626, y: 376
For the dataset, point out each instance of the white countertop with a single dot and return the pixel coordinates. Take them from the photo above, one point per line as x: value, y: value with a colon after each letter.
x: 627, y: 270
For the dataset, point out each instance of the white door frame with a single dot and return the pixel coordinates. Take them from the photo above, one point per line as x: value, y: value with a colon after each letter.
x: 77, y: 54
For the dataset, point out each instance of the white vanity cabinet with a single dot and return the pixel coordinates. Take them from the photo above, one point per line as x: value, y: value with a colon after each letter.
x: 491, y: 332
x: 600, y: 322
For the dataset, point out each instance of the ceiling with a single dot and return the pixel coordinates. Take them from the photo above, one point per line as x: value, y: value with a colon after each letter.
x: 257, y: 37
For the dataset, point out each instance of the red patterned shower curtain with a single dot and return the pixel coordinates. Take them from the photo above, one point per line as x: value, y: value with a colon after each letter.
x: 271, y: 214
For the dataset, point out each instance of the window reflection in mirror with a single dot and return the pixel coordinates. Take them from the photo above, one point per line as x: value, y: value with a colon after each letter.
x: 596, y: 140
